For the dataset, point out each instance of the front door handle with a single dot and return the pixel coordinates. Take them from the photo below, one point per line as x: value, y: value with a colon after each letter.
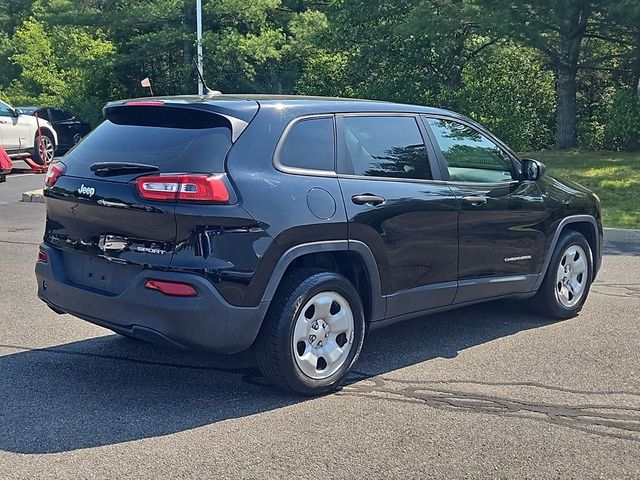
x: 475, y: 200
x: 367, y: 199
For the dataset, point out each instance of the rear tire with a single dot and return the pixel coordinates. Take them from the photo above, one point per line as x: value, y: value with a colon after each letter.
x: 568, y: 279
x: 313, y: 332
x: 49, y: 149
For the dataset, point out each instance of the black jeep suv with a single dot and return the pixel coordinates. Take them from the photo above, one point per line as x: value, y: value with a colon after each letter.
x: 297, y: 223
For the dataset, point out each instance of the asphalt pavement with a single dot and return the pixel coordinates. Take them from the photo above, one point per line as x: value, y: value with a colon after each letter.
x: 491, y: 391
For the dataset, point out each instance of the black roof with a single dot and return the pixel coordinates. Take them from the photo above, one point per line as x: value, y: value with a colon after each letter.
x: 292, y: 103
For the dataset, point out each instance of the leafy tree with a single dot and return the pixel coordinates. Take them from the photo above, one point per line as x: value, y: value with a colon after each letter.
x: 557, y: 29
x: 509, y: 90
x: 535, y: 72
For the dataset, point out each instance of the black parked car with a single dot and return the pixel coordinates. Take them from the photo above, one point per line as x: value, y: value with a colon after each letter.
x: 296, y: 223
x: 70, y: 129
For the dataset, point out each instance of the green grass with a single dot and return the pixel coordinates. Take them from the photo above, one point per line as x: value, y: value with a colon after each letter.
x: 613, y: 176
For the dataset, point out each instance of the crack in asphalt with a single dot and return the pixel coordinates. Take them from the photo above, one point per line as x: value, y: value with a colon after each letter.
x: 603, y: 419
x: 13, y: 242
x: 620, y: 290
x: 606, y: 420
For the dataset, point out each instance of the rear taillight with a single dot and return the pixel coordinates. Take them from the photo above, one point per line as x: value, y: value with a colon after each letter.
x: 173, y: 289
x: 42, y: 256
x: 201, y: 188
x: 54, y: 171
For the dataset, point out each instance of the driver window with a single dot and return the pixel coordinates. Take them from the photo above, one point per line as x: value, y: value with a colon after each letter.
x: 5, y: 111
x: 469, y: 155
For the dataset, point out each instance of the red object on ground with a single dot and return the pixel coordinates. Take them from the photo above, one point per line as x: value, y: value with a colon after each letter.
x: 35, y: 167
x: 5, y: 162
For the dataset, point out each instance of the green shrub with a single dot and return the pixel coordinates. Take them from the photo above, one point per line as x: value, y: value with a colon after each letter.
x: 622, y: 131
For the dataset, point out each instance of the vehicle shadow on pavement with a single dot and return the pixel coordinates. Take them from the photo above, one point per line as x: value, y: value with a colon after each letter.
x: 110, y: 389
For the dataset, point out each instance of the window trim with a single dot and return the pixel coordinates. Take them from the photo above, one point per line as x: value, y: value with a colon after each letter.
x: 515, y: 163
x: 341, y: 166
x: 277, y: 163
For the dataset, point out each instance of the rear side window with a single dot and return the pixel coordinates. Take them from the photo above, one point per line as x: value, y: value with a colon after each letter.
x: 309, y: 144
x: 171, y: 148
x: 385, y: 146
x: 60, y: 116
x: 44, y: 114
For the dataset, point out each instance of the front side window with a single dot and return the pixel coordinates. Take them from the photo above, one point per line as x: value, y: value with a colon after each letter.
x: 309, y: 144
x: 469, y: 155
x: 385, y: 146
x: 5, y: 110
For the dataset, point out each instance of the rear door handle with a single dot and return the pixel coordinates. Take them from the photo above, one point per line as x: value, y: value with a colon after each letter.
x: 475, y: 200
x: 367, y: 199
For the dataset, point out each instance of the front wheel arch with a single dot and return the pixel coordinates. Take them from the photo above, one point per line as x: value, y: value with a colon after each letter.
x: 46, y: 131
x: 580, y: 224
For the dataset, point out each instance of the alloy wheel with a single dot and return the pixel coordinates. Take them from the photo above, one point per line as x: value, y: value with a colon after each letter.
x: 571, y: 278
x: 47, y: 150
x: 323, y: 335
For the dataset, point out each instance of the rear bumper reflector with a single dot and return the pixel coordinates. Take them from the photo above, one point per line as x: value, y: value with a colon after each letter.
x: 172, y: 289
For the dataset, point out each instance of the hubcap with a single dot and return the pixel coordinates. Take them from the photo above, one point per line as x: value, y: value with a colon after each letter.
x: 46, y: 149
x: 571, y: 278
x: 323, y: 335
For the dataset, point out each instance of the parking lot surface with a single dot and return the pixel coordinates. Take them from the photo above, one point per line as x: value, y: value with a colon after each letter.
x: 487, y: 391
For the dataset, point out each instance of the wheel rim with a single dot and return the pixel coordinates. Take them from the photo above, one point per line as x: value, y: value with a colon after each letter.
x: 571, y: 279
x: 76, y: 138
x: 46, y: 149
x: 323, y: 335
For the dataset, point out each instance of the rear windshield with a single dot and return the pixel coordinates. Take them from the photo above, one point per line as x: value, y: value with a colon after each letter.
x: 171, y: 148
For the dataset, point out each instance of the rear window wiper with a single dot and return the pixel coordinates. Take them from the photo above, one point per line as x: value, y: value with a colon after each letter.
x: 105, y: 169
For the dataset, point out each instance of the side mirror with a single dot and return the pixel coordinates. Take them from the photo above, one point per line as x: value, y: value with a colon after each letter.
x: 17, y: 112
x: 532, y: 169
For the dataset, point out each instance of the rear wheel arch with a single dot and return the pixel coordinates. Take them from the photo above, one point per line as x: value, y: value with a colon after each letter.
x: 352, y: 259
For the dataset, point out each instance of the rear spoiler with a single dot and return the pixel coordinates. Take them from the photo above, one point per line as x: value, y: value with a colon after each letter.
x: 181, y: 114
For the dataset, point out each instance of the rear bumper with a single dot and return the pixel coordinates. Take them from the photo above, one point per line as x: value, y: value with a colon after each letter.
x: 205, y: 322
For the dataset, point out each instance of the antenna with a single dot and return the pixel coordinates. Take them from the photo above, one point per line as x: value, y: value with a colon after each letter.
x: 207, y: 90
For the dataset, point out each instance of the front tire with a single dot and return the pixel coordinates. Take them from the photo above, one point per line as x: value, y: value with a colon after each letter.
x: 44, y: 150
x: 568, y: 279
x: 313, y: 332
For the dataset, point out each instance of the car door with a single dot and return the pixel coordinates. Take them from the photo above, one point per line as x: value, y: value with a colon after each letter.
x: 11, y: 128
x: 502, y: 219
x: 397, y: 206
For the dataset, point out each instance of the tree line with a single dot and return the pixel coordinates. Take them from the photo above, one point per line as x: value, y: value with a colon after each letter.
x: 541, y: 74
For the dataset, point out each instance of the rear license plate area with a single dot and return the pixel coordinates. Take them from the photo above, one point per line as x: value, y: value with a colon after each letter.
x: 96, y: 273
